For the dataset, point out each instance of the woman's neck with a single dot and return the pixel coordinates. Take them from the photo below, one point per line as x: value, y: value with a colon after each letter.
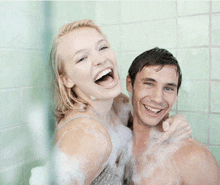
x: 102, y: 108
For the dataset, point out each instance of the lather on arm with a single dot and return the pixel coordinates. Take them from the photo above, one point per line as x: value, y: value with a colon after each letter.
x: 82, y: 149
x: 87, y: 143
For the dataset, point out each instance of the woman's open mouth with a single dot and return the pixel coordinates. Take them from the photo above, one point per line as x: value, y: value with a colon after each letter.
x: 105, y: 77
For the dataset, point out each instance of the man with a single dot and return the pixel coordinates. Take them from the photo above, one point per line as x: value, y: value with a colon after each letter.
x: 154, y: 80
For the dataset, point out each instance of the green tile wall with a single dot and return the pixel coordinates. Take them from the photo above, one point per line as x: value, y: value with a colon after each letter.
x: 193, y: 31
x: 194, y: 63
x: 12, y: 176
x: 107, y: 12
x: 215, y: 64
x: 10, y: 108
x: 189, y: 29
x: 215, y: 6
x: 215, y: 98
x: 142, y: 36
x: 112, y: 35
x: 135, y: 11
x: 216, y: 151
x: 215, y: 29
x: 193, y: 96
x: 199, y: 123
x: 23, y: 83
x: 63, y: 12
x: 215, y: 129
x: 192, y: 7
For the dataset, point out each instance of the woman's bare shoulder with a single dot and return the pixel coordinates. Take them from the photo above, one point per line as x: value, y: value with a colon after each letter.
x: 83, y: 133
x: 86, y: 141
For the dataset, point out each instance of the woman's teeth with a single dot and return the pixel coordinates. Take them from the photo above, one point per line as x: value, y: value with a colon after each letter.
x: 152, y: 109
x: 103, y: 73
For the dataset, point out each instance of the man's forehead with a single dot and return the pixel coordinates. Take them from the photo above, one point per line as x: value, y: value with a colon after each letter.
x: 156, y: 71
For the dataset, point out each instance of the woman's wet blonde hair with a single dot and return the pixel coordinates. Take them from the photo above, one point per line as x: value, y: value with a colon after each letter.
x: 65, y: 98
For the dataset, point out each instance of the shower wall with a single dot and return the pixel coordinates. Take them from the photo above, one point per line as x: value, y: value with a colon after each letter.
x: 189, y: 29
x: 23, y: 88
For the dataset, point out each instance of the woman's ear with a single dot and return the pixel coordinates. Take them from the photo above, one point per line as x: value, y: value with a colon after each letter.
x: 66, y: 81
x: 129, y: 84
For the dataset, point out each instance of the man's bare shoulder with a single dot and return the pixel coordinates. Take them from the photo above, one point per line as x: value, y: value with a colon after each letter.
x: 196, y: 164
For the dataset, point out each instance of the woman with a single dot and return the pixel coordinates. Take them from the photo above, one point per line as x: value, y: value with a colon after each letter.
x: 93, y: 145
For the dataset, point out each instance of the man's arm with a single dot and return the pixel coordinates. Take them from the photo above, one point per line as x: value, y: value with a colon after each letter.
x: 196, y: 164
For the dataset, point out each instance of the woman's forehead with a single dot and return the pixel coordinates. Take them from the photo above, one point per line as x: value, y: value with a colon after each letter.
x: 78, y: 39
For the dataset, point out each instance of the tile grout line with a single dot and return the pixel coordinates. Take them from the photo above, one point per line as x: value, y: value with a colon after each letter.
x: 210, y: 72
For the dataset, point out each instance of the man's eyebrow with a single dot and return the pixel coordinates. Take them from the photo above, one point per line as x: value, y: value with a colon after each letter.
x: 172, y: 84
x: 148, y: 79
x: 153, y: 80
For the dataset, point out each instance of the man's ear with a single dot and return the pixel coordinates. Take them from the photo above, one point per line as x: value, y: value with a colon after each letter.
x: 128, y: 84
x: 66, y: 81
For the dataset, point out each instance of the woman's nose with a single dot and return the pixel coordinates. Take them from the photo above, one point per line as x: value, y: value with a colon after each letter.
x: 98, y: 59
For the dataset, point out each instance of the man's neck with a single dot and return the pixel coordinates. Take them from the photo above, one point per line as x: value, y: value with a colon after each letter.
x: 142, y: 135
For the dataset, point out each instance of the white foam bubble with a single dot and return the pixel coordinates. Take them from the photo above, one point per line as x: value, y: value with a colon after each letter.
x: 67, y: 169
x: 93, y: 97
x: 40, y: 175
x: 61, y: 170
x: 157, y: 159
x: 121, y: 142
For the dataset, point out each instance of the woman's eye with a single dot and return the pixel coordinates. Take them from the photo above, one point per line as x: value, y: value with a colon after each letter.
x: 103, y: 47
x: 81, y: 59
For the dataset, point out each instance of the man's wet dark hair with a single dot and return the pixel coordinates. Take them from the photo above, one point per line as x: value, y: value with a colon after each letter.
x: 153, y: 57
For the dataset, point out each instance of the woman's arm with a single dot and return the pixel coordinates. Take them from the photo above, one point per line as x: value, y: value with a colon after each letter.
x: 80, y: 154
x: 176, y: 127
x: 85, y: 148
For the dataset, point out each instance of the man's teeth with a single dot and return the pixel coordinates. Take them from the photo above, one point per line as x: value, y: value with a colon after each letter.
x: 103, y: 73
x: 152, y: 109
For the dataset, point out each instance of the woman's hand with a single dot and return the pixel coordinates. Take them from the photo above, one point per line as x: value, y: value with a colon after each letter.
x: 177, y: 127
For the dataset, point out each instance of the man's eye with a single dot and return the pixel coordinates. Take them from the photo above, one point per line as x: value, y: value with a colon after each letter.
x: 169, y: 89
x: 148, y: 83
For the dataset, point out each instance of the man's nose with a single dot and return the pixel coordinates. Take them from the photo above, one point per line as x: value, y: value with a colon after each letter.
x: 157, y: 95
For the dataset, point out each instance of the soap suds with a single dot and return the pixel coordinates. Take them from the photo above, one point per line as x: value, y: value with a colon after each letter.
x: 156, y: 162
